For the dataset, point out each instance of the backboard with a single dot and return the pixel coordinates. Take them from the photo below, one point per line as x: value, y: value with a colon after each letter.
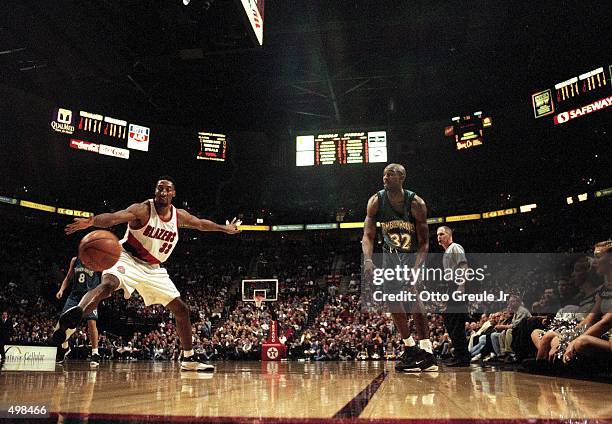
x: 267, y: 288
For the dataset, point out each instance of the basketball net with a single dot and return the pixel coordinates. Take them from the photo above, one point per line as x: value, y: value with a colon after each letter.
x: 259, y: 300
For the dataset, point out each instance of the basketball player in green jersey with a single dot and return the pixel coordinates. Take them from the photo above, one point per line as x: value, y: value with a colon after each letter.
x: 403, y: 218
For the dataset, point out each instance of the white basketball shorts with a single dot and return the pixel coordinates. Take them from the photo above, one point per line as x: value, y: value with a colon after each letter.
x: 150, y: 281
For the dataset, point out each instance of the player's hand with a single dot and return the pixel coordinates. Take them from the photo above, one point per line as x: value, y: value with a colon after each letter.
x: 79, y: 224
x: 569, y: 353
x: 233, y: 227
x: 554, y: 347
x: 59, y: 294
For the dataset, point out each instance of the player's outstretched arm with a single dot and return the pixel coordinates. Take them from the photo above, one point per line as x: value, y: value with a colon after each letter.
x: 187, y: 220
x: 136, y: 213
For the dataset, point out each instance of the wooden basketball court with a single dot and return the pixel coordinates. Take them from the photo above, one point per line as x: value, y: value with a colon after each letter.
x: 304, y: 392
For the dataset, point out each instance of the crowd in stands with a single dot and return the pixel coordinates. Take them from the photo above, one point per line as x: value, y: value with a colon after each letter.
x: 319, y: 309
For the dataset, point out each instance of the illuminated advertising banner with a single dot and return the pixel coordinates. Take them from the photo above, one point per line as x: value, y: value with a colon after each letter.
x: 291, y: 227
x: 29, y: 358
x: 344, y: 225
x: 567, y: 89
x: 99, y: 130
x: 528, y: 208
x: 435, y: 220
x: 468, y: 130
x: 102, y: 149
x: 603, y: 193
x: 90, y: 122
x: 115, y: 128
x: 38, y: 206
x: 501, y: 212
x: 255, y: 227
x: 84, y: 145
x: 469, y: 143
x: 377, y: 147
x: 114, y: 151
x: 72, y: 212
x: 63, y: 121
x: 304, y: 147
x: 542, y: 103
x: 591, y: 89
x: 598, y: 105
x: 341, y: 148
x: 330, y: 226
x: 8, y: 200
x: 254, y: 10
x: 467, y: 217
x: 212, y: 146
x: 138, y: 137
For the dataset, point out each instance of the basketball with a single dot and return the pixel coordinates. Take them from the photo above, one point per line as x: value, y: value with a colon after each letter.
x: 99, y: 250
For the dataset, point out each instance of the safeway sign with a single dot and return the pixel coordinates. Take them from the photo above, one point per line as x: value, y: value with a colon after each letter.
x: 563, y: 117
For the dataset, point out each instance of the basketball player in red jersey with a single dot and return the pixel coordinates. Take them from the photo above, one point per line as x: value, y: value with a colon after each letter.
x: 150, y: 237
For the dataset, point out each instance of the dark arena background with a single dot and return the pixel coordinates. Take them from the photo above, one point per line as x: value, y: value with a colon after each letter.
x: 285, y: 115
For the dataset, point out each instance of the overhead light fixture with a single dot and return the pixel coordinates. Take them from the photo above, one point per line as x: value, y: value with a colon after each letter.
x: 186, y: 2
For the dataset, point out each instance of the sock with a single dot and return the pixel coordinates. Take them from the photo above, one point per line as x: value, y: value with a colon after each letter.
x: 425, y: 344
x: 65, y: 345
x: 409, y: 342
x: 187, y: 353
x: 94, y: 351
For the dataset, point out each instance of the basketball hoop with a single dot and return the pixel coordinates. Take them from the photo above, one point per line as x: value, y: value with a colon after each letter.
x: 259, y: 300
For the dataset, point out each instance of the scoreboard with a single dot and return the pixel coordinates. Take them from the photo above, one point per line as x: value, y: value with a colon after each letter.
x: 95, y: 133
x: 468, y: 131
x: 341, y: 148
x: 575, y: 97
x: 212, y: 146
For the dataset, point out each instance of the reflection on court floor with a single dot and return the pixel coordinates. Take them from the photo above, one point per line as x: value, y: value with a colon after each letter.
x: 300, y: 392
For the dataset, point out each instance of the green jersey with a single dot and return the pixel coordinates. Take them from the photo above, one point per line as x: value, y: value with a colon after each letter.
x: 398, y: 229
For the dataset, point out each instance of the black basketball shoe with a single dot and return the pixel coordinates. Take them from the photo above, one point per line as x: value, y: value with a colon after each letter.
x: 417, y: 360
x: 94, y: 361
x: 69, y: 319
x: 458, y: 362
x: 191, y: 364
x: 61, y: 354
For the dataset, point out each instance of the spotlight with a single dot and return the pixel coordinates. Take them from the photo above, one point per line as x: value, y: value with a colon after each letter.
x: 186, y: 2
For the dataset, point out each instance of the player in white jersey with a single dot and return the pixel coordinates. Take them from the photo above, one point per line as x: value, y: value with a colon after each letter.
x: 150, y: 237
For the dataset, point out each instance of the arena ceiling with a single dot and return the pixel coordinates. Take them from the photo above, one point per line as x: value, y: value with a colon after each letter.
x: 323, y: 64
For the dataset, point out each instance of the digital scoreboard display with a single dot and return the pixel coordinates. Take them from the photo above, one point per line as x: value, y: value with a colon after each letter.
x: 575, y: 97
x: 212, y: 146
x: 468, y: 131
x: 341, y: 148
x: 95, y: 133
